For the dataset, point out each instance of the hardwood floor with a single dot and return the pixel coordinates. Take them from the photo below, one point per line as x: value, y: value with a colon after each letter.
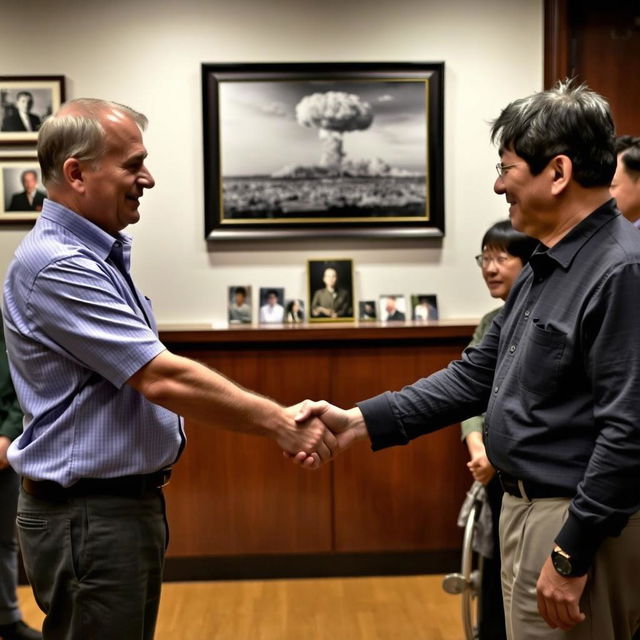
x: 372, y: 608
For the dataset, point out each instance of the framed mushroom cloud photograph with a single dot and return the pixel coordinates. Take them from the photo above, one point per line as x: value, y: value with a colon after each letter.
x: 323, y: 149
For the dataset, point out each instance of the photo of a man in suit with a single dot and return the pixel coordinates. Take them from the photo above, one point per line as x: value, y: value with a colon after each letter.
x: 31, y: 199
x: 19, y: 117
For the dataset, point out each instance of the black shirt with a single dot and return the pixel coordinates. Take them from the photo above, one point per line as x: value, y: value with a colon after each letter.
x: 559, y: 376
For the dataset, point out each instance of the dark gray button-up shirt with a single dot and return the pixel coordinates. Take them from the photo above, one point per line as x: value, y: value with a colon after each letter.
x: 559, y: 376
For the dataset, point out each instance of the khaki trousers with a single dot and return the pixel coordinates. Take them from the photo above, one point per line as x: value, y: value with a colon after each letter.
x: 611, y: 599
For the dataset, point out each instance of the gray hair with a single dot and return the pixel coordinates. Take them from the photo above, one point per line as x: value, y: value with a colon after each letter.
x: 76, y: 131
x: 567, y: 119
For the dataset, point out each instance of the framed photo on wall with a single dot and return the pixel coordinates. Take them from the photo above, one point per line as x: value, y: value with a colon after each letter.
x: 330, y: 287
x: 319, y: 148
x: 21, y: 191
x: 25, y: 101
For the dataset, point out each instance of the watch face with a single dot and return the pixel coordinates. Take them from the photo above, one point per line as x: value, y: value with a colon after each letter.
x: 561, y: 564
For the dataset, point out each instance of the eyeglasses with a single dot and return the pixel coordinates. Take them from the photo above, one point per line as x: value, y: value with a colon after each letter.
x: 483, y: 260
x: 502, y: 168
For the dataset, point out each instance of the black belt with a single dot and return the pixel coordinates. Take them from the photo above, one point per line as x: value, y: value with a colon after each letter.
x: 533, y: 490
x: 132, y: 486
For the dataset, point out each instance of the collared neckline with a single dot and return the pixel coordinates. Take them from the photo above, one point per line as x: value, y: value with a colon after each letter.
x: 544, y: 259
x: 90, y: 234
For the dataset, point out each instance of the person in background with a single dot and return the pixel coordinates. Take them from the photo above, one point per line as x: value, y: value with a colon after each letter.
x: 102, y: 396
x: 625, y: 186
x: 504, y: 252
x: 11, y: 625
x: 557, y: 373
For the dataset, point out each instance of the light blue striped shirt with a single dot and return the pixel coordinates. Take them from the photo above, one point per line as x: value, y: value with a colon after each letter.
x: 75, y: 334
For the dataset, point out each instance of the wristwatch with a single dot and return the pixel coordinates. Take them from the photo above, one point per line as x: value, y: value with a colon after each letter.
x: 562, y: 562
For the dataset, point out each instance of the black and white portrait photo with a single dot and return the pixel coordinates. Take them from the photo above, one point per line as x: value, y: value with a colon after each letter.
x: 25, y: 102
x: 22, y: 191
x: 330, y: 284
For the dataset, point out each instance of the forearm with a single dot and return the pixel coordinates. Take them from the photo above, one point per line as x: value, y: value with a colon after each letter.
x: 206, y: 397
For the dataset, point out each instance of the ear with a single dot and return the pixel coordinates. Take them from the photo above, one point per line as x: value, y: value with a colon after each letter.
x: 562, y: 169
x: 73, y: 175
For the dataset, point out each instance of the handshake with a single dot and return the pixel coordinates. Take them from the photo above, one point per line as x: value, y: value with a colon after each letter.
x: 317, y: 431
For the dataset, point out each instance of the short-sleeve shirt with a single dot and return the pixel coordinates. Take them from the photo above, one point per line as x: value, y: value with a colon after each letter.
x: 76, y: 331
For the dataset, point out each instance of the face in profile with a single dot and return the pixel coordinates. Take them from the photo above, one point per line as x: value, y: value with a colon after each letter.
x: 625, y: 188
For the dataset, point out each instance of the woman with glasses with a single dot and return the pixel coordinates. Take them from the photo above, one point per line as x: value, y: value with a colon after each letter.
x: 505, y: 251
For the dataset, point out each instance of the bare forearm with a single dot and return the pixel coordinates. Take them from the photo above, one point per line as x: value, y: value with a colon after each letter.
x: 207, y: 397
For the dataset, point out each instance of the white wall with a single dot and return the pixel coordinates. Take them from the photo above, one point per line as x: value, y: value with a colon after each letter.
x: 147, y: 53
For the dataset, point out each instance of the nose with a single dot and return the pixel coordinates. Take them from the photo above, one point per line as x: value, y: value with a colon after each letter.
x: 498, y: 186
x: 146, y: 179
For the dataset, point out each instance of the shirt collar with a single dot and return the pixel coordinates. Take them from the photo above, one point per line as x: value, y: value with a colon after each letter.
x: 92, y: 236
x: 544, y: 260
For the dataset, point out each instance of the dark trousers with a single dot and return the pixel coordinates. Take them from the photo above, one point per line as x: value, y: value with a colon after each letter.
x: 95, y: 564
x: 491, y: 625
x: 9, y: 483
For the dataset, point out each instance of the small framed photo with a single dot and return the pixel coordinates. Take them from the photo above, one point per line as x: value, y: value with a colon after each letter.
x: 239, y: 304
x: 25, y: 102
x: 330, y: 287
x: 425, y: 306
x: 294, y: 311
x: 367, y: 310
x: 271, y: 305
x: 393, y: 308
x: 21, y: 189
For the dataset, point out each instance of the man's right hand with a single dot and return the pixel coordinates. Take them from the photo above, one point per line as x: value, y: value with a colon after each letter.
x: 346, y: 425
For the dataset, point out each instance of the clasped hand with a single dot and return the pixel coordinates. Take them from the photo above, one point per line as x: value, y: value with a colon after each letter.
x: 340, y: 430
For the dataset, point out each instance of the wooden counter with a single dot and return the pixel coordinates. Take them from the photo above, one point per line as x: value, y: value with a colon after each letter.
x: 234, y: 499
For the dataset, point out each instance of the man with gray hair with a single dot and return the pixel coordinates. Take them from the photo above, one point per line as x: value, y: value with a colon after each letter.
x: 100, y: 393
x: 558, y: 374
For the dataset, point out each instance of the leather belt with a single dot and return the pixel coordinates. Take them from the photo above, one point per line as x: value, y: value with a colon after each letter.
x: 131, y: 486
x: 531, y: 490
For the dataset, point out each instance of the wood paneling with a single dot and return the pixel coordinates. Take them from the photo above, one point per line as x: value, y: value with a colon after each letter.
x: 598, y: 43
x: 236, y: 495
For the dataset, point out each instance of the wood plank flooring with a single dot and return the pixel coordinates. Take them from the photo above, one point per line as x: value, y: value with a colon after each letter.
x: 371, y: 608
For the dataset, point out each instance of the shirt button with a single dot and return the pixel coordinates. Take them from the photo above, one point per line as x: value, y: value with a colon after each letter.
x: 512, y: 348
x: 495, y: 389
x: 527, y: 313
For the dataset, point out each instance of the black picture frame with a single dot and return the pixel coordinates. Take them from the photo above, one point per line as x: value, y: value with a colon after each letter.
x: 46, y: 94
x: 14, y: 203
x: 299, y: 149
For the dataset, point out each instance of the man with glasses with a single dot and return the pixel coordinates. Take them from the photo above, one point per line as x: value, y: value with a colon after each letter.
x: 558, y: 373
